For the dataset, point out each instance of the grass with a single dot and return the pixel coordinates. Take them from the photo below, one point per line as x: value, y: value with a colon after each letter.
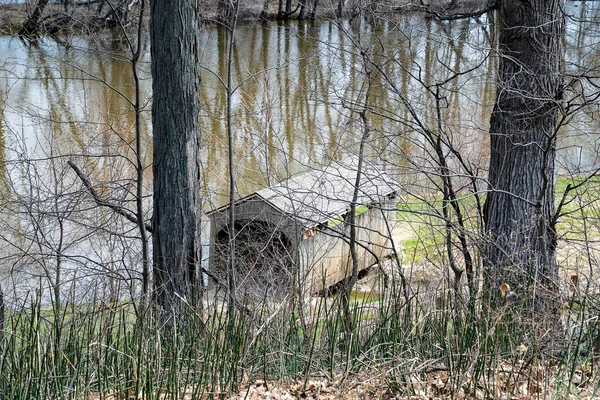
x: 423, y: 216
x: 364, y: 297
x: 429, y: 345
x: 94, y: 351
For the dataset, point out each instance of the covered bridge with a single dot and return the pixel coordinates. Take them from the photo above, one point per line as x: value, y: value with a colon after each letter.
x: 295, y: 234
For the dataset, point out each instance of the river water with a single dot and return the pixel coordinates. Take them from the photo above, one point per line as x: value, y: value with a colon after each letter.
x: 299, y: 89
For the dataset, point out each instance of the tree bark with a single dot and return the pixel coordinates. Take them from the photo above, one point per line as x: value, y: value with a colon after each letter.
x: 176, y: 136
x: 340, y: 8
x: 225, y: 10
x: 302, y: 14
x: 265, y: 10
x: 519, y: 208
x: 34, y: 23
x: 1, y: 317
x: 139, y: 162
x: 313, y: 10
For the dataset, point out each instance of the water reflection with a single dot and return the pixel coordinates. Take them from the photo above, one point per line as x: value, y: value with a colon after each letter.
x: 296, y: 104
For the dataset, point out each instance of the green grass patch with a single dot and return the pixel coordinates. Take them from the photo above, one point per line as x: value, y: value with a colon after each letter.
x: 424, y: 217
x: 364, y: 297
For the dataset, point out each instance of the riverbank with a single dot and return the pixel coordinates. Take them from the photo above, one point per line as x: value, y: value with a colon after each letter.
x: 94, y: 16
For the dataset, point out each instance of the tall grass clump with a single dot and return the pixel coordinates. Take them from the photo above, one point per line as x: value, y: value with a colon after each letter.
x: 100, y: 350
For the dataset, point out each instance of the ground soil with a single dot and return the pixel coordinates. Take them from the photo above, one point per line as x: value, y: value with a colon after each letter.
x: 427, y: 382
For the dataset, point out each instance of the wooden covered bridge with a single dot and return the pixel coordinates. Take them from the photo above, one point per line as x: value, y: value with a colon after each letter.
x: 295, y: 234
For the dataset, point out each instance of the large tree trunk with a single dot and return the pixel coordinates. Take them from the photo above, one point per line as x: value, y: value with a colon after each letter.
x: 176, y: 135
x: 519, y: 209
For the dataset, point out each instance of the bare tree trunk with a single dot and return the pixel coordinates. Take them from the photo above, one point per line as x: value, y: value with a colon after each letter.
x: 2, y: 316
x: 302, y: 14
x: 265, y: 10
x: 176, y: 136
x: 34, y: 23
x: 340, y: 8
x: 352, y: 243
x: 313, y: 11
x: 231, y: 270
x: 136, y: 53
x: 519, y: 208
x: 58, y: 275
x: 225, y: 9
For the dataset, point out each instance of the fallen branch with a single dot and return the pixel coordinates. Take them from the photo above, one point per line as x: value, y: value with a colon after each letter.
x: 103, y: 203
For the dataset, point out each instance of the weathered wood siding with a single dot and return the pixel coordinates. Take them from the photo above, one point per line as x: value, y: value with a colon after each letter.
x: 255, y: 209
x: 321, y: 255
x: 325, y: 257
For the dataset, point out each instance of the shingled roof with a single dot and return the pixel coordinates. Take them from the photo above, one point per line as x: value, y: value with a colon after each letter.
x: 319, y: 195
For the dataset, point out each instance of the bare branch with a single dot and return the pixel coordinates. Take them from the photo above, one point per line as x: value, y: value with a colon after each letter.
x: 103, y: 203
x: 568, y: 190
